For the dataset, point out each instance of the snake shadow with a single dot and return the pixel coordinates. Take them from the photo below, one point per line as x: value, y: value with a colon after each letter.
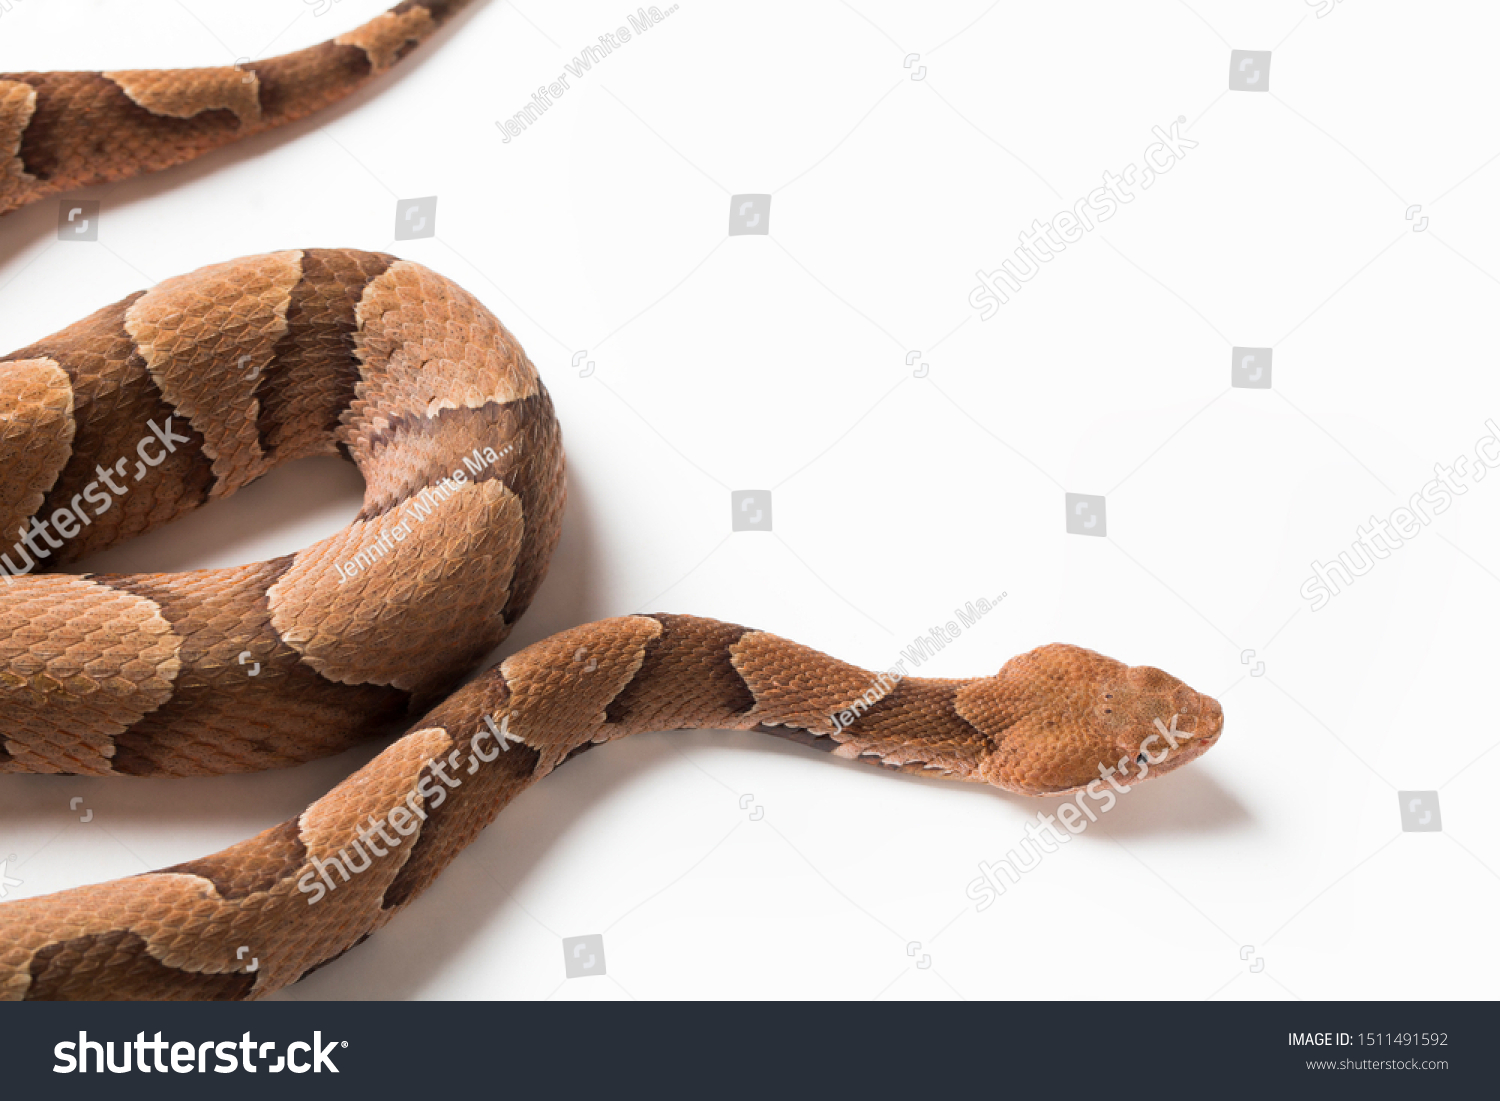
x: 1190, y: 801
x: 459, y: 911
x: 176, y: 816
x: 21, y: 229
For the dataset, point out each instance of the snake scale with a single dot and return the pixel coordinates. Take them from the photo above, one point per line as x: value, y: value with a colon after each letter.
x: 183, y: 394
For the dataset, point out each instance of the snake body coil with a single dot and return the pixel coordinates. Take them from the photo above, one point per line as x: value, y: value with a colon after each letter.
x: 65, y: 130
x: 185, y: 393
x: 239, y: 367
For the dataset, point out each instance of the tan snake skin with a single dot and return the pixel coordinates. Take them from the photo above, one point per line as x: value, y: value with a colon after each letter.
x: 408, y: 375
x: 60, y: 131
x: 183, y: 394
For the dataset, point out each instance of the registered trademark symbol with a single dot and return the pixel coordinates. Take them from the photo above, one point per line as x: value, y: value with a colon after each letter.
x: 1181, y: 118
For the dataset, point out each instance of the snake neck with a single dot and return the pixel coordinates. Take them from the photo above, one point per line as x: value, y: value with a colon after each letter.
x: 607, y: 680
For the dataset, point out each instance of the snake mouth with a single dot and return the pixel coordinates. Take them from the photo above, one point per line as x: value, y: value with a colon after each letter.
x: 1207, y: 718
x: 1194, y: 732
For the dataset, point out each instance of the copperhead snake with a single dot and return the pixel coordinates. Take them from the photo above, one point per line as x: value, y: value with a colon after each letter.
x: 183, y: 394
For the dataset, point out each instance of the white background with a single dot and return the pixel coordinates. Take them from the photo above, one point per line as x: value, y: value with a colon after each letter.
x: 779, y: 362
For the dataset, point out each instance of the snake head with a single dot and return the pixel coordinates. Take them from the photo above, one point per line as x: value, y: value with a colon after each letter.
x: 1058, y: 715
